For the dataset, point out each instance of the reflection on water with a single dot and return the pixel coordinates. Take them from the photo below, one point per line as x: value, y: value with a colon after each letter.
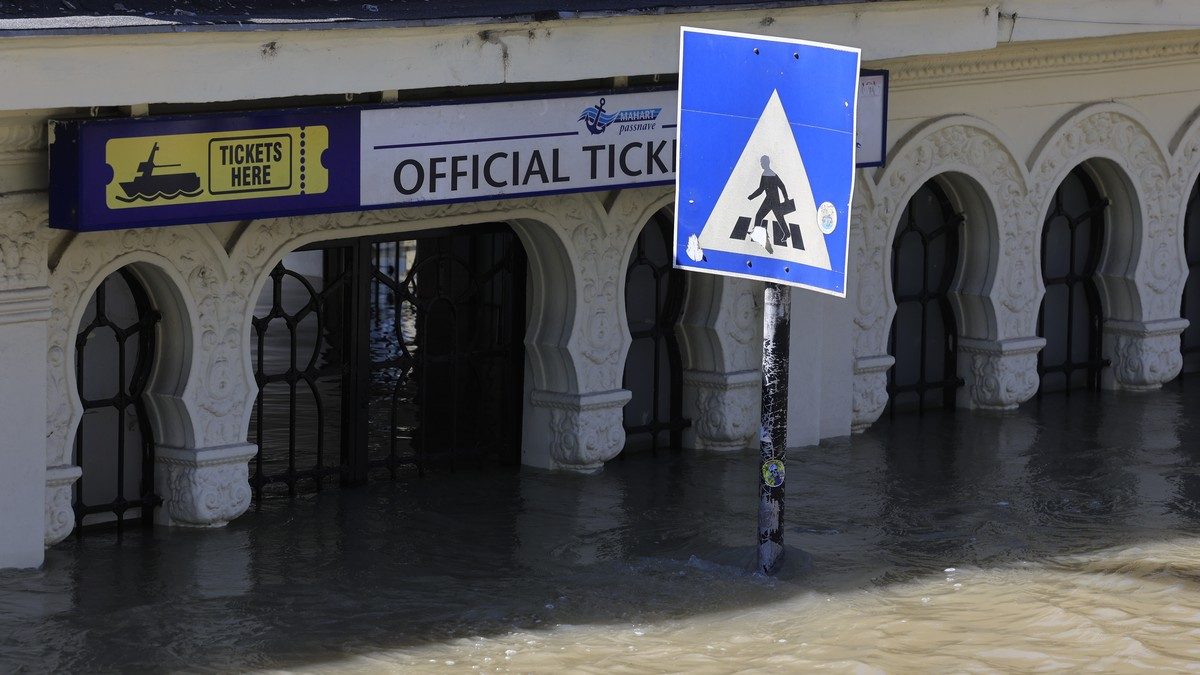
x: 1060, y: 536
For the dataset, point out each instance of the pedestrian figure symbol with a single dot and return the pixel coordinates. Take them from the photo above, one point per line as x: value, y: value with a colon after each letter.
x: 784, y: 224
x: 775, y: 202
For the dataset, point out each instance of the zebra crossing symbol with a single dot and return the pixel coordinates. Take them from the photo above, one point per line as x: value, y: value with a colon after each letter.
x: 766, y: 158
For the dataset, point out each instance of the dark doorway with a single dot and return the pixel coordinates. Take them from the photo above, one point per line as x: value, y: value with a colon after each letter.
x: 654, y: 294
x: 1190, y: 310
x: 924, y: 337
x: 114, y: 444
x: 377, y: 356
x: 1071, y: 318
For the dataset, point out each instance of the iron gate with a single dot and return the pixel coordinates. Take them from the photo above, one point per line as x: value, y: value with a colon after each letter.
x: 114, y: 444
x: 924, y: 336
x: 1190, y: 309
x: 379, y: 354
x: 654, y: 293
x: 1071, y: 318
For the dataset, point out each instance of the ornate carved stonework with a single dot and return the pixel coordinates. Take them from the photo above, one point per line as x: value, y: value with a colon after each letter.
x: 870, y: 390
x: 588, y: 430
x: 1144, y: 355
x: 194, y: 263
x: 60, y: 517
x: 207, y: 487
x: 1145, y: 288
x: 1000, y: 374
x: 723, y: 408
x: 592, y: 233
x: 1018, y: 62
x: 868, y: 235
x: 1114, y: 132
x: 24, y: 235
x: 971, y: 147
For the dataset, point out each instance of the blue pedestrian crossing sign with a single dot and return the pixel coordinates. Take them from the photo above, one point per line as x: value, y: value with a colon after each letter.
x: 766, y: 158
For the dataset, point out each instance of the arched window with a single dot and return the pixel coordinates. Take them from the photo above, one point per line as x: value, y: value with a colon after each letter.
x: 654, y: 293
x: 1071, y: 317
x: 383, y: 354
x: 114, y: 445
x: 1190, y: 341
x: 924, y: 337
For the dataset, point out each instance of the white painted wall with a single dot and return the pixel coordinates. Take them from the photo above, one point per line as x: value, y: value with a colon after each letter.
x: 22, y: 442
x: 820, y: 377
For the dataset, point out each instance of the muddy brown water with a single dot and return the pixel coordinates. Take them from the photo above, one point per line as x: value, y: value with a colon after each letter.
x: 1065, y: 535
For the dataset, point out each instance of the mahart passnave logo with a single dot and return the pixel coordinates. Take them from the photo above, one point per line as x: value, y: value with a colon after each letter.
x: 597, y: 119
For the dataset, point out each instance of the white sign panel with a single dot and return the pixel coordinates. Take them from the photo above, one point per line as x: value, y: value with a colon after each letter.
x: 872, y: 118
x: 495, y: 149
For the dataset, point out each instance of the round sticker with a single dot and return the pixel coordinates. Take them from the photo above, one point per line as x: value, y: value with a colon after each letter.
x: 772, y: 472
x: 827, y: 217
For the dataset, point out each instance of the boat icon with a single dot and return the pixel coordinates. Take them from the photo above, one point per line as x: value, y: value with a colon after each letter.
x: 149, y: 186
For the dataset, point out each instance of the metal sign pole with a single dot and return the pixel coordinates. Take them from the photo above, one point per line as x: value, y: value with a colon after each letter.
x: 773, y: 433
x: 755, y: 124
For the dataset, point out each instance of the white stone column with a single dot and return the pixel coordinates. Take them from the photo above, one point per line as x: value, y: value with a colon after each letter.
x: 870, y: 390
x: 578, y: 334
x: 720, y: 337
x: 869, y: 292
x: 821, y: 380
x: 205, y: 487
x: 574, y: 432
x: 723, y: 408
x: 998, y: 374
x: 1143, y: 354
x: 24, y: 500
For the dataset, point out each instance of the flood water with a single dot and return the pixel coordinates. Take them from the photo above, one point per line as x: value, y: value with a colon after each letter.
x: 1065, y: 535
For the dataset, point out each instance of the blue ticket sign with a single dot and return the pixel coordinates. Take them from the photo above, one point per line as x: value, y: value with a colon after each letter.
x: 139, y: 172
x: 766, y: 158
x: 148, y: 171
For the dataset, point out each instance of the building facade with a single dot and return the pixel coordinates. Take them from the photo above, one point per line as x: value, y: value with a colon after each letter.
x: 1033, y: 229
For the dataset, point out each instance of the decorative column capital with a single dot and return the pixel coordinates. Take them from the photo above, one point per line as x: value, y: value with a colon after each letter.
x: 723, y: 408
x: 206, y: 487
x: 1000, y: 374
x: 60, y: 516
x: 586, y: 430
x: 1144, y: 354
x: 870, y: 390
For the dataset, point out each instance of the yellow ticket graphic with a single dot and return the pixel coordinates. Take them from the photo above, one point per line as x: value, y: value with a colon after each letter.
x: 216, y: 166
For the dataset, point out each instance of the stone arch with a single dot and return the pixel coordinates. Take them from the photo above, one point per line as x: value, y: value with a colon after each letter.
x: 575, y: 338
x: 178, y: 269
x: 973, y: 162
x: 1130, y: 167
x: 653, y: 297
x: 629, y: 211
x: 175, y: 406
x: 1141, y: 270
x: 553, y: 261
x: 1185, y: 173
x: 1185, y: 158
x: 550, y: 293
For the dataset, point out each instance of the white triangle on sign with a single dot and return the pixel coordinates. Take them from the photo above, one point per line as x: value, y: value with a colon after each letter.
x: 772, y: 139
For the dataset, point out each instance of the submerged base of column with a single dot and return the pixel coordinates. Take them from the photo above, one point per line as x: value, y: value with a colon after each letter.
x: 723, y: 408
x: 574, y: 432
x: 205, y: 487
x: 1144, y: 354
x: 998, y: 374
x: 870, y: 390
x: 60, y: 517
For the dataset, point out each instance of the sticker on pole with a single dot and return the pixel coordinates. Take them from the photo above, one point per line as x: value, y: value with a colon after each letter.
x: 766, y: 158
